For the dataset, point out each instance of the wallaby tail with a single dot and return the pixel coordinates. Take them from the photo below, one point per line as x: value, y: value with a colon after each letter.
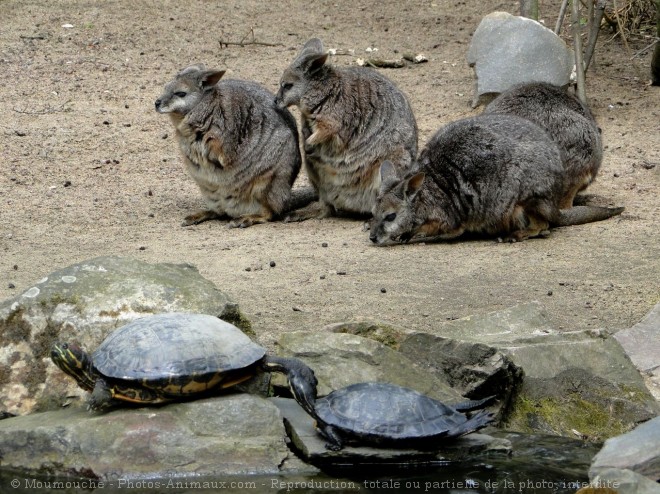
x: 578, y: 215
x: 301, y: 197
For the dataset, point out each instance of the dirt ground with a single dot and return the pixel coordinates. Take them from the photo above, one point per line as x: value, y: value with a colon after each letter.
x: 88, y: 168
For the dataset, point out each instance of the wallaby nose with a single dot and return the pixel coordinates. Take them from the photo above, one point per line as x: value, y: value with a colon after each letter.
x: 373, y: 238
x: 158, y: 102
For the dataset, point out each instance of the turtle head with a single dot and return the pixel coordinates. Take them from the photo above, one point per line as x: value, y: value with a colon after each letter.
x: 302, y: 381
x: 75, y: 362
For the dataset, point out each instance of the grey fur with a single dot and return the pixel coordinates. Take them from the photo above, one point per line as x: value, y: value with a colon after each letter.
x: 568, y: 121
x: 492, y: 174
x: 240, y: 148
x: 353, y: 119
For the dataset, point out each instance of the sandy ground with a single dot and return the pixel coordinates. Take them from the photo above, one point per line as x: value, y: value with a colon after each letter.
x: 88, y: 167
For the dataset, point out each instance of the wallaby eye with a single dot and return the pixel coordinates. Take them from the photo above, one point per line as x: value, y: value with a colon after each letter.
x: 390, y: 217
x: 286, y: 86
x: 180, y: 94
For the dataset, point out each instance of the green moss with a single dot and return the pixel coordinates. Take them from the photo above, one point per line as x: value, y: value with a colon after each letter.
x: 233, y: 315
x: 562, y: 417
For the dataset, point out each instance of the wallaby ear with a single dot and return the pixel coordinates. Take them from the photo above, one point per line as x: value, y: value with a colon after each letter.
x: 314, y: 45
x: 387, y: 174
x: 313, y: 63
x: 413, y: 184
x: 210, y: 78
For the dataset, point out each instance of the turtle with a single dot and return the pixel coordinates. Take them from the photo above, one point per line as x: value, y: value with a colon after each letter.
x: 381, y: 414
x: 161, y: 358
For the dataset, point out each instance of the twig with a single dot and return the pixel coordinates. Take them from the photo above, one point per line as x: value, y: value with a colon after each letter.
x: 242, y: 42
x: 577, y: 48
x: 562, y: 14
x: 594, y: 32
x: 643, y: 50
x: 382, y: 63
x: 44, y: 111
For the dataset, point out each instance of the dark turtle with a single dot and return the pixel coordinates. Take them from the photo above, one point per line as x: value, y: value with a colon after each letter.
x: 162, y: 358
x: 381, y: 414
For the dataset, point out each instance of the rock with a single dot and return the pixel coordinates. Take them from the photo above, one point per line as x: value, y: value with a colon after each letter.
x: 617, y: 481
x: 236, y: 434
x: 642, y: 344
x: 340, y: 359
x: 84, y: 303
x: 578, y: 383
x: 474, y: 369
x: 311, y: 447
x: 637, y: 450
x: 507, y: 50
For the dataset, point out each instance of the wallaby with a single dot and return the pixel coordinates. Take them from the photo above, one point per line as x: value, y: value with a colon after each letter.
x: 240, y: 148
x: 492, y: 174
x: 353, y: 119
x: 569, y: 123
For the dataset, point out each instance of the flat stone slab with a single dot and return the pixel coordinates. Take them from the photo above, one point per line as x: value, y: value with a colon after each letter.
x: 508, y: 50
x: 311, y: 446
x: 237, y: 434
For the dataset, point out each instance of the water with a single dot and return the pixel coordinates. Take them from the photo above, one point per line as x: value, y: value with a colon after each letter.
x: 539, y: 465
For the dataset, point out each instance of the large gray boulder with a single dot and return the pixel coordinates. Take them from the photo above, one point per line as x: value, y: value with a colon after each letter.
x: 575, y: 383
x: 84, y: 303
x: 340, y: 359
x: 642, y: 344
x: 237, y: 434
x: 637, y: 450
x: 508, y: 50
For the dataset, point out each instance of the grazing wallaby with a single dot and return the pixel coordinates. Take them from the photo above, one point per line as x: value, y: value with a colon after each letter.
x: 570, y: 124
x: 240, y: 148
x: 492, y: 174
x: 353, y: 119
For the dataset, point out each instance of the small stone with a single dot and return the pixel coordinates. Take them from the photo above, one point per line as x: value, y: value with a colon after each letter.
x: 164, y: 136
x: 151, y: 215
x: 272, y: 264
x: 150, y: 193
x: 341, y: 273
x: 549, y: 293
x: 324, y: 244
x: 297, y: 309
x: 106, y: 122
x: 383, y: 290
x: 67, y: 183
x: 15, y: 267
x: 248, y: 269
x: 11, y: 286
x: 322, y: 277
x: 142, y: 248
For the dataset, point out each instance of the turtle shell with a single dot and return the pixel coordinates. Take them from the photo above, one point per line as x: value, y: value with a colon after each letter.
x: 386, y: 413
x: 175, y: 346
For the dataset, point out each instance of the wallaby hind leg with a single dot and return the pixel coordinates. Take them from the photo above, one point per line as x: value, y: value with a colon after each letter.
x: 317, y: 210
x: 202, y: 216
x: 534, y: 227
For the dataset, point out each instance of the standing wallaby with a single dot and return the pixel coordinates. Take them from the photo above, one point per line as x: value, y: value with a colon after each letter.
x: 492, y: 174
x: 569, y: 123
x: 240, y: 148
x: 353, y: 119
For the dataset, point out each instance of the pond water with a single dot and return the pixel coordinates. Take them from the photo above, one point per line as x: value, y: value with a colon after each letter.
x: 539, y: 465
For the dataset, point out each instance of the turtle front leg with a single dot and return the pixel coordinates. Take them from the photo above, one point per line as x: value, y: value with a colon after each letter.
x: 101, y: 396
x: 330, y: 434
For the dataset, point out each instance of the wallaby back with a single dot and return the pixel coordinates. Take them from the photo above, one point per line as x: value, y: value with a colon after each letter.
x: 353, y: 119
x: 495, y: 174
x: 239, y: 147
x: 569, y: 123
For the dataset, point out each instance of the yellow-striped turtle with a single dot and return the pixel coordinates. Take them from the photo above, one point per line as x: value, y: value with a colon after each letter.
x: 162, y: 358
